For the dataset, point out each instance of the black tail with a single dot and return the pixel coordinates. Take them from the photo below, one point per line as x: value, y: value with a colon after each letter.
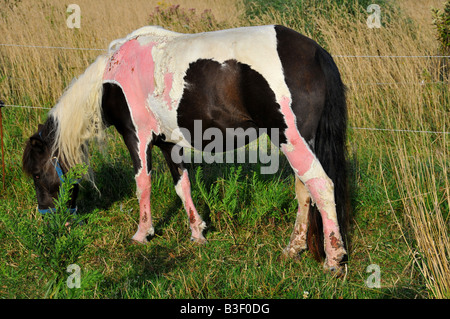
x: 331, y: 151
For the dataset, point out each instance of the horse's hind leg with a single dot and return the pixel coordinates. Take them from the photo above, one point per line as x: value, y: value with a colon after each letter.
x: 321, y: 188
x: 297, y: 242
x: 183, y: 189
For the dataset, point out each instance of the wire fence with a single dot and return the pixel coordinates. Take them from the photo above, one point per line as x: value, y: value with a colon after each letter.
x: 334, y: 56
x: 27, y: 106
x: 391, y: 56
x: 353, y: 127
x: 49, y: 47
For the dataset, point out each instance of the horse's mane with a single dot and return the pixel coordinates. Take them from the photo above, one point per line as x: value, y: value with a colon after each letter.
x: 77, y: 115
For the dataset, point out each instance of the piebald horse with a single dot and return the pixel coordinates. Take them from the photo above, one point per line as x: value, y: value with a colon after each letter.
x: 154, y: 82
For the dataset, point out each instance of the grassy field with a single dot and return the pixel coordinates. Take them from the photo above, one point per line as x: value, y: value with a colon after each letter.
x: 400, y: 190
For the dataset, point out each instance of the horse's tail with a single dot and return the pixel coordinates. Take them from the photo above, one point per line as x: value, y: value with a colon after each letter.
x: 78, y: 115
x: 329, y: 147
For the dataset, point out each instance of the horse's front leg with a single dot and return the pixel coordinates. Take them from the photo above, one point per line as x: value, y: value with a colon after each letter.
x: 143, y: 192
x: 183, y: 189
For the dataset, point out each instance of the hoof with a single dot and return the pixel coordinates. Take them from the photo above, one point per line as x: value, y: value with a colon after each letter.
x: 197, y: 234
x: 290, y: 253
x: 141, y: 237
x: 139, y: 241
x: 338, y: 271
x: 199, y: 241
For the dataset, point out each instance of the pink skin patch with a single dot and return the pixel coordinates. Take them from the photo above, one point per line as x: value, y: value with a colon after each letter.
x: 132, y: 67
x: 320, y: 190
x: 299, y: 155
x: 143, y: 182
x: 195, y: 221
x: 301, y: 159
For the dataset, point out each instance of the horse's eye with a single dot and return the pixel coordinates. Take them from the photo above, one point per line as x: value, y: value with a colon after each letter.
x: 37, y: 176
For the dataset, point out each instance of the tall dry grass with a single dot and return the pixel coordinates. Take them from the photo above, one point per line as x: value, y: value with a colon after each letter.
x: 36, y: 76
x: 407, y: 94
x: 397, y: 93
x: 423, y: 184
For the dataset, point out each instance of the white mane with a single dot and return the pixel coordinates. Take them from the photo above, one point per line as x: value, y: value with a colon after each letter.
x: 78, y: 114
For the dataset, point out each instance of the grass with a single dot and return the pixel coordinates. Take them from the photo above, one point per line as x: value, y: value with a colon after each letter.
x: 399, y: 181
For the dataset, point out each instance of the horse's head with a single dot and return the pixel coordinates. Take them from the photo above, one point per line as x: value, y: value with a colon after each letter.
x: 45, y: 168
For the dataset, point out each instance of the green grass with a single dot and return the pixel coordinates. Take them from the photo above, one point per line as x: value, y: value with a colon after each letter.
x: 249, y: 220
x: 249, y: 216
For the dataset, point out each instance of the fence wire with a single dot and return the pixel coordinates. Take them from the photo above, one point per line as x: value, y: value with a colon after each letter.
x: 334, y: 56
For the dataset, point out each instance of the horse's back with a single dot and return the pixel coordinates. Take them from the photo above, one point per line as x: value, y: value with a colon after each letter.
x: 254, y: 46
x: 243, y: 83
x: 231, y: 78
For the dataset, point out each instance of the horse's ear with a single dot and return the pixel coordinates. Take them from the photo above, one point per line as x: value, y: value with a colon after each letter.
x: 34, y: 149
x: 37, y: 144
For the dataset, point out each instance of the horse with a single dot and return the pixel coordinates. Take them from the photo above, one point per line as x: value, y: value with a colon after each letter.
x: 155, y: 82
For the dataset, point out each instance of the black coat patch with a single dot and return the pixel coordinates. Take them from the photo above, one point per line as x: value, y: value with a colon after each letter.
x: 227, y: 95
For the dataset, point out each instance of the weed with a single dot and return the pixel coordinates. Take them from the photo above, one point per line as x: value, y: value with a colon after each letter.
x: 56, y: 240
